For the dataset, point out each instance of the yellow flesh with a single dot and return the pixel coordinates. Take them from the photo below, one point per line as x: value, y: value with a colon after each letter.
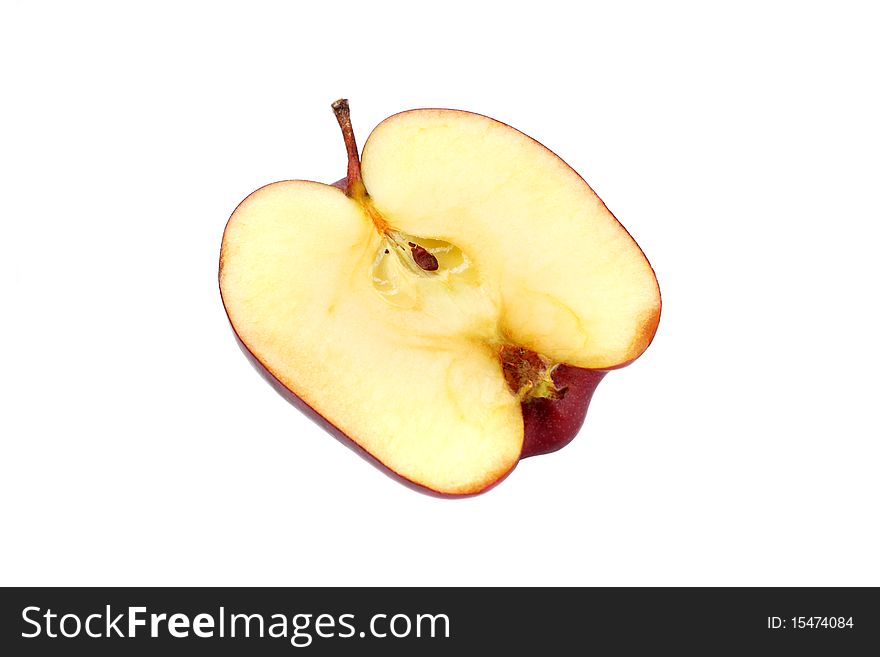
x: 403, y: 361
x: 574, y: 285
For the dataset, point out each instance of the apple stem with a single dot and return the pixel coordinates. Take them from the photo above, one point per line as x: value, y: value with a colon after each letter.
x: 354, y: 185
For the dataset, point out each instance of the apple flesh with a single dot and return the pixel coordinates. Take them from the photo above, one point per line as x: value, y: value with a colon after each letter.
x: 452, y: 309
x: 548, y: 425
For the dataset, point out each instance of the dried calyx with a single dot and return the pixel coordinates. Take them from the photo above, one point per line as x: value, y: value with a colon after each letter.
x: 529, y: 374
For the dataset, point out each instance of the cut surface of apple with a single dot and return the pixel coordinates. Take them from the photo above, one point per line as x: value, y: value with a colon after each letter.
x: 419, y: 308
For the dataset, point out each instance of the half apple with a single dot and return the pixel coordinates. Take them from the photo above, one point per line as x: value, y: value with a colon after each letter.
x: 422, y: 307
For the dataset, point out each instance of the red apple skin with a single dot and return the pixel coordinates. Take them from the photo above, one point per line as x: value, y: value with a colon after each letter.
x: 550, y: 424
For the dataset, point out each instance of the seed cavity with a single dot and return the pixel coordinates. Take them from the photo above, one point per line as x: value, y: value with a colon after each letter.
x: 403, y: 262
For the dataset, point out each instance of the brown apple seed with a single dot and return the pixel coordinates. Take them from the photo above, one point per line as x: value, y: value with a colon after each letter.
x: 423, y: 259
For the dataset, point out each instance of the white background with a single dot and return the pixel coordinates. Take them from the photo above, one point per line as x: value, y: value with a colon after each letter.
x: 739, y: 147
